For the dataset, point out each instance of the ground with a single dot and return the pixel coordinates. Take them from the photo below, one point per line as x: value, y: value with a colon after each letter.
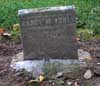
x: 9, y: 77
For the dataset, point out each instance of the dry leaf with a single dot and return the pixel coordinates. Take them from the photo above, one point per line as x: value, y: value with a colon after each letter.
x: 88, y: 59
x: 6, y: 34
x: 41, y: 78
x: 2, y: 30
x: 16, y: 27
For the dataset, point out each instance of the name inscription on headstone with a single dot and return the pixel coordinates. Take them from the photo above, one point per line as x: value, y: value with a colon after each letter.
x: 47, y: 21
x: 49, y: 34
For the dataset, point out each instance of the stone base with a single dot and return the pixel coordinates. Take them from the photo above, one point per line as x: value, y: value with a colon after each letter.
x: 50, y: 67
x: 38, y: 67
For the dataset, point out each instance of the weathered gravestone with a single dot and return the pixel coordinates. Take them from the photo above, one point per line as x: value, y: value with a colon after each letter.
x: 49, y: 33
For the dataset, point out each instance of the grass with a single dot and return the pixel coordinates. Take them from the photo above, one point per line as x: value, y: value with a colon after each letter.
x: 9, y: 8
x: 85, y: 19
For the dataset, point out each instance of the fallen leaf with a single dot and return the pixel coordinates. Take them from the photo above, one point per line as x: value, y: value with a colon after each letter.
x: 88, y: 59
x: 16, y: 27
x: 41, y: 78
x: 2, y: 30
x: 6, y: 34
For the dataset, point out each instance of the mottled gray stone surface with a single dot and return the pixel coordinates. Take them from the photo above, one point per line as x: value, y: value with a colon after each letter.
x: 49, y: 33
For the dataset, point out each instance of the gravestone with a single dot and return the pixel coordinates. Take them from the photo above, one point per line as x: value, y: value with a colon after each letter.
x: 49, y: 33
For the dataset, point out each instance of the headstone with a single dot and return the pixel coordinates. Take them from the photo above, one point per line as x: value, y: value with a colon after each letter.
x: 49, y: 33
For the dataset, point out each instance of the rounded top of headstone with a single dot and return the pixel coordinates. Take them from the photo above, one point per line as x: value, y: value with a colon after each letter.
x: 59, y: 8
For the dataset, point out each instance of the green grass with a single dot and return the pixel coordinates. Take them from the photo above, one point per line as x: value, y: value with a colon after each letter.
x: 9, y: 10
x: 87, y: 12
